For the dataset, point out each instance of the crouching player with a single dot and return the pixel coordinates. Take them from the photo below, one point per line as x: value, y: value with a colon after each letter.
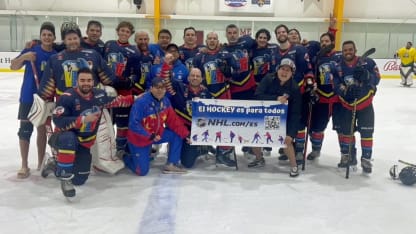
x: 77, y: 117
x: 152, y: 120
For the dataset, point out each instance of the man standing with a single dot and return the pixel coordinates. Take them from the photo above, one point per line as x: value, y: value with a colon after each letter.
x: 356, y: 87
x: 407, y: 58
x: 34, y: 59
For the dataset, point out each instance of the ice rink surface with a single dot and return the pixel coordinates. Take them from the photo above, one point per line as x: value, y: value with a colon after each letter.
x: 221, y: 200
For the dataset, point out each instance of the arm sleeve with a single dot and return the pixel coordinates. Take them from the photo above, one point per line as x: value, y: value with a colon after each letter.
x: 63, y: 116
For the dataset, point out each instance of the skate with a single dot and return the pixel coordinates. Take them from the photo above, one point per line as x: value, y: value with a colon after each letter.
x: 283, y: 156
x: 49, y: 166
x: 223, y: 157
x: 267, y: 151
x: 366, y: 165
x: 173, y: 169
x: 294, y: 172
x: 352, y: 162
x: 299, y: 158
x: 313, y: 155
x: 256, y: 163
x: 67, y: 187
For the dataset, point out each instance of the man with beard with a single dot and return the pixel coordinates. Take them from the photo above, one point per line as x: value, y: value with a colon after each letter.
x: 303, y: 76
x: 145, y: 60
x: 77, y: 116
x: 356, y: 87
x: 216, y: 65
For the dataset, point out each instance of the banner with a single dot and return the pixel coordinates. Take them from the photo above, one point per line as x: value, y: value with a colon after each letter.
x: 246, y: 6
x: 237, y: 122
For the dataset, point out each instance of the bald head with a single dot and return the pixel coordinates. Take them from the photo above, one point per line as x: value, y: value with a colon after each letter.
x: 195, y: 77
x: 142, y: 40
x: 212, y: 41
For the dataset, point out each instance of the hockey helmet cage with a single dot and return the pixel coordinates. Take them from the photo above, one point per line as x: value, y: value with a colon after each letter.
x: 394, y: 172
x: 408, y: 175
x: 288, y: 62
x: 69, y: 27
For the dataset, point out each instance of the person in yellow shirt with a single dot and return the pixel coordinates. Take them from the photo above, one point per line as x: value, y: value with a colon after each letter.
x: 407, y: 58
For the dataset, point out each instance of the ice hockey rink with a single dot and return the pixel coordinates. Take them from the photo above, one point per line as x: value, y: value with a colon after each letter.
x: 221, y: 200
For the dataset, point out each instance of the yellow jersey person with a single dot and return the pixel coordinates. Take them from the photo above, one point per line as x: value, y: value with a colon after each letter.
x: 407, y: 57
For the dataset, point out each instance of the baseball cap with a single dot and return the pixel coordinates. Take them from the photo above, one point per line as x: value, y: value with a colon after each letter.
x: 288, y: 62
x: 158, y: 80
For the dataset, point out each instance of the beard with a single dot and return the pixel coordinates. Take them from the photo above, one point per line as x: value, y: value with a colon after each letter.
x: 85, y: 89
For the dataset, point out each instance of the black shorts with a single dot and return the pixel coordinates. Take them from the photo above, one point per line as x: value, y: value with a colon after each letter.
x: 24, y: 109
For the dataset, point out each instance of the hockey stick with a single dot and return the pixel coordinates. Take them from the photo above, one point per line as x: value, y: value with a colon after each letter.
x: 354, y: 112
x: 365, y: 55
x: 35, y: 74
x: 407, y: 163
x: 323, y: 51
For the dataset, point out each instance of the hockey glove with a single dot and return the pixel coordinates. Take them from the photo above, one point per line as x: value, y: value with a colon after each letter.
x: 361, y: 75
x: 313, y: 97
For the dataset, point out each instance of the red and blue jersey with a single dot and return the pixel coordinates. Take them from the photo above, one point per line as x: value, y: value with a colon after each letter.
x: 149, y: 117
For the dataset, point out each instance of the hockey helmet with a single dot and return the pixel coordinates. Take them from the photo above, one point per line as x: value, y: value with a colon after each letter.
x: 408, y: 175
x: 69, y: 27
x: 288, y: 62
x: 394, y: 172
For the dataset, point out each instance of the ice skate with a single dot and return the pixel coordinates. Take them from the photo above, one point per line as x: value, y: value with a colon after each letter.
x: 223, y: 157
x: 256, y: 163
x: 283, y: 156
x: 48, y: 166
x: 352, y: 161
x: 366, y: 165
x: 313, y: 155
x: 67, y: 187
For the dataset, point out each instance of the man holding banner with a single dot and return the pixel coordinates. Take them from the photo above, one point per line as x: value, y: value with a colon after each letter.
x: 281, y: 87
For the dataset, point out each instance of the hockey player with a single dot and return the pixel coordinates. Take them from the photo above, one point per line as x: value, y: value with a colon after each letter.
x: 216, y: 66
x: 76, y: 117
x: 190, y: 47
x: 303, y: 76
x: 242, y: 83
x: 182, y: 103
x: 281, y: 86
x: 153, y: 121
x: 62, y: 68
x: 158, y: 50
x: 92, y: 40
x: 328, y: 104
x: 117, y: 53
x: 34, y: 59
x: 356, y: 88
x: 146, y: 61
x: 262, y: 58
x: 407, y: 58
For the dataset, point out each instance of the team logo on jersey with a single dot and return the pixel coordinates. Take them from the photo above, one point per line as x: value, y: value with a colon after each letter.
x: 58, y: 111
x: 325, y: 76
x: 235, y: 3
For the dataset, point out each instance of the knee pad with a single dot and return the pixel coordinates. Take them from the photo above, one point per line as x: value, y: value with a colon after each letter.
x: 25, y: 130
x: 68, y: 141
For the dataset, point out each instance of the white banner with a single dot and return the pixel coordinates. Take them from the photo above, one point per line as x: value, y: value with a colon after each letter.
x: 233, y: 123
x: 246, y: 6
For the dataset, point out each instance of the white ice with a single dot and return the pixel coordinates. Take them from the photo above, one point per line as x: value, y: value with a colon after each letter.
x: 221, y: 200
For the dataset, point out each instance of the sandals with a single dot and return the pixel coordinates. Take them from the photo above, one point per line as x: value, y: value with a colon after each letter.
x: 23, y: 173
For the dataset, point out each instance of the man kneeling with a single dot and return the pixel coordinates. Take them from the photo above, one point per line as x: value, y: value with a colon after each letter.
x: 153, y: 121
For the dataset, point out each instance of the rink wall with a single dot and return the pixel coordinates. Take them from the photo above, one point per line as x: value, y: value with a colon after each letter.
x: 389, y: 68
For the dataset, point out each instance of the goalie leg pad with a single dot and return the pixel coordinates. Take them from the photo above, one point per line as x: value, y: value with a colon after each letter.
x: 25, y: 130
x: 38, y: 112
